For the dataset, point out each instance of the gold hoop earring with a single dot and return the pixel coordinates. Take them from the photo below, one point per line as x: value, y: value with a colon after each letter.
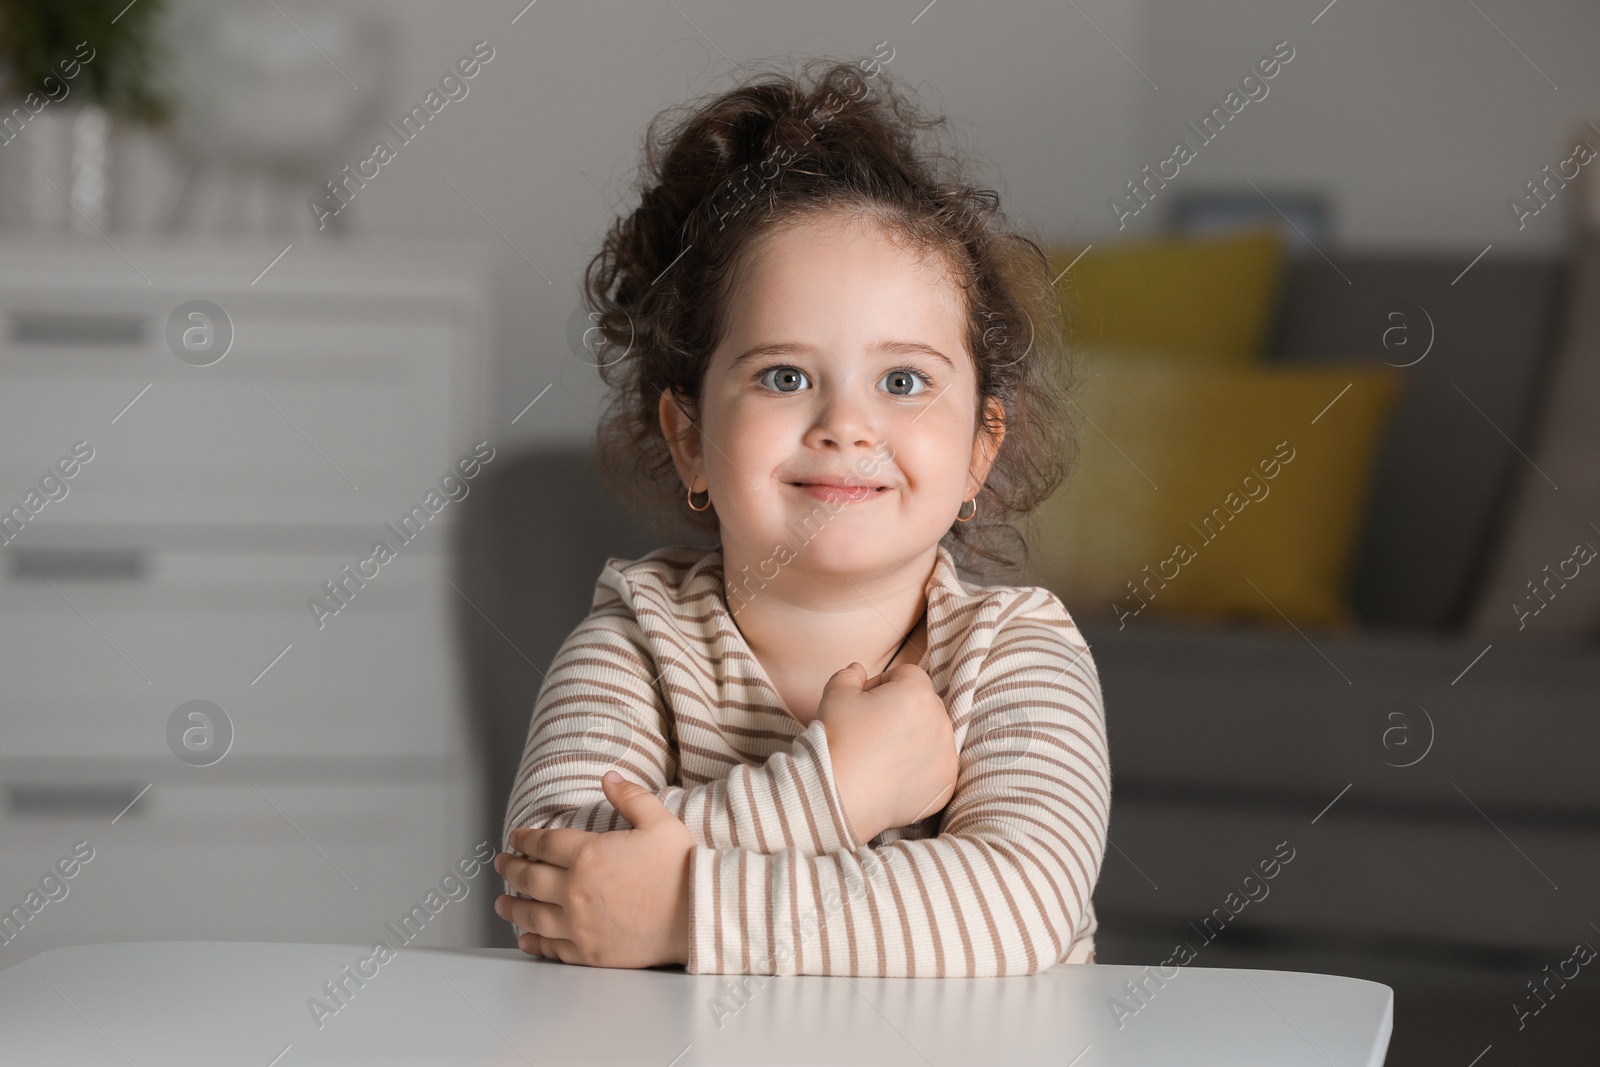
x: 703, y: 507
x: 971, y: 514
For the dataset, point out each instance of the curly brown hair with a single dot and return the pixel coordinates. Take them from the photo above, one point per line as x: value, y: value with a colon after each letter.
x: 720, y: 173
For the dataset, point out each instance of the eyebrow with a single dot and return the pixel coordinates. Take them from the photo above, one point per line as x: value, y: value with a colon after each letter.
x: 787, y: 348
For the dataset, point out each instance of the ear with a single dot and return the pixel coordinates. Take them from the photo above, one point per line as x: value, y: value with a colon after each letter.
x: 682, y: 431
x: 986, y: 442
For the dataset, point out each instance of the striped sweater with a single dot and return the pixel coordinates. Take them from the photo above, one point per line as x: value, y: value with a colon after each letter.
x: 659, y: 683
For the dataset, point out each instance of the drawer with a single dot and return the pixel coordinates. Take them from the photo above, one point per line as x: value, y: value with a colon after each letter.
x: 314, y: 415
x: 271, y: 860
x: 97, y: 666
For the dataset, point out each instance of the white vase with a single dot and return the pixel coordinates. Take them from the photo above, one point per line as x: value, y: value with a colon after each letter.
x: 55, y: 167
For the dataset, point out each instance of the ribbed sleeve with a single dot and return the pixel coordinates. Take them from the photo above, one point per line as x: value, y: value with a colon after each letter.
x: 1003, y: 889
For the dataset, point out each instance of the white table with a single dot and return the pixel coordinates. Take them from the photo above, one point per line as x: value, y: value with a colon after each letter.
x: 174, y: 1003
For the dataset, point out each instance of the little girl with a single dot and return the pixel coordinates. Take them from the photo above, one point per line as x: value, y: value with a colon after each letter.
x: 837, y: 756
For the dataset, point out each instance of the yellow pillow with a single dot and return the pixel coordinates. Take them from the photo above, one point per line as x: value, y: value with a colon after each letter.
x: 1223, y: 494
x: 1212, y: 298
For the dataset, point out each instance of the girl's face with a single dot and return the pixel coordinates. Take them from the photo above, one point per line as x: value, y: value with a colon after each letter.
x: 839, y: 410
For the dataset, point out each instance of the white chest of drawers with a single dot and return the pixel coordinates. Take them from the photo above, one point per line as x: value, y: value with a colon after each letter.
x: 179, y: 564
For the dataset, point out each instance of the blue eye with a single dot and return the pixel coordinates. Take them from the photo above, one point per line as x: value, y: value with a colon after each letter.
x: 792, y: 373
x: 906, y: 374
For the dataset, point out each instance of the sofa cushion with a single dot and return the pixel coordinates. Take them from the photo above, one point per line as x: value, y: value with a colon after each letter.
x: 1435, y: 797
x: 1444, y: 468
x: 1210, y: 298
x: 1253, y: 711
x: 1230, y: 492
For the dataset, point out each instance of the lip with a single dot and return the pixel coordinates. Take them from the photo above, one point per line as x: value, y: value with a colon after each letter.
x: 834, y: 492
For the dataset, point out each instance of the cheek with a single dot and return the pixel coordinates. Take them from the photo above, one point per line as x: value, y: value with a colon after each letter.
x: 945, y: 429
x: 744, y: 443
x: 934, y: 457
x: 745, y: 433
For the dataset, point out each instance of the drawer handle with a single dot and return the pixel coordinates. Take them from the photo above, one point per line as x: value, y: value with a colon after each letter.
x: 76, y: 328
x: 78, y: 801
x: 77, y: 564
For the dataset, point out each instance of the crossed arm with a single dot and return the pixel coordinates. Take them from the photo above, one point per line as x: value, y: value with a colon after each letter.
x: 581, y: 729
x: 779, y: 882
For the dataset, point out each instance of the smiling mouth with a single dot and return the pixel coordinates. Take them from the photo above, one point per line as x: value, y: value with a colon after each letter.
x: 850, y: 492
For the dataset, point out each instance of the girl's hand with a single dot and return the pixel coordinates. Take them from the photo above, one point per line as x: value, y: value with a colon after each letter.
x: 892, y: 746
x: 618, y: 899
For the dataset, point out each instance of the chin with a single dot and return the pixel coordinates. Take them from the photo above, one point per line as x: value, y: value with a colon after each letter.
x: 841, y: 549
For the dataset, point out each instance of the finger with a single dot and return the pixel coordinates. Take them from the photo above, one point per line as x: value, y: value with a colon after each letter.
x: 517, y: 872
x: 907, y: 674
x: 529, y: 943
x: 851, y: 676
x: 634, y: 802
x: 559, y: 948
x: 536, y: 917
x: 538, y: 881
x: 511, y: 866
x: 556, y: 845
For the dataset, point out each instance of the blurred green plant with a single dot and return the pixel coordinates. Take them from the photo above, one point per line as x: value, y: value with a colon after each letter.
x: 35, y: 35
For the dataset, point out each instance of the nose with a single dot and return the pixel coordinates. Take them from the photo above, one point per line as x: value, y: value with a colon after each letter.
x: 843, y: 421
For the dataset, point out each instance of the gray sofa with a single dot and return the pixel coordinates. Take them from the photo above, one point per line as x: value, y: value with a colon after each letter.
x: 1442, y: 804
x: 1451, y: 861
